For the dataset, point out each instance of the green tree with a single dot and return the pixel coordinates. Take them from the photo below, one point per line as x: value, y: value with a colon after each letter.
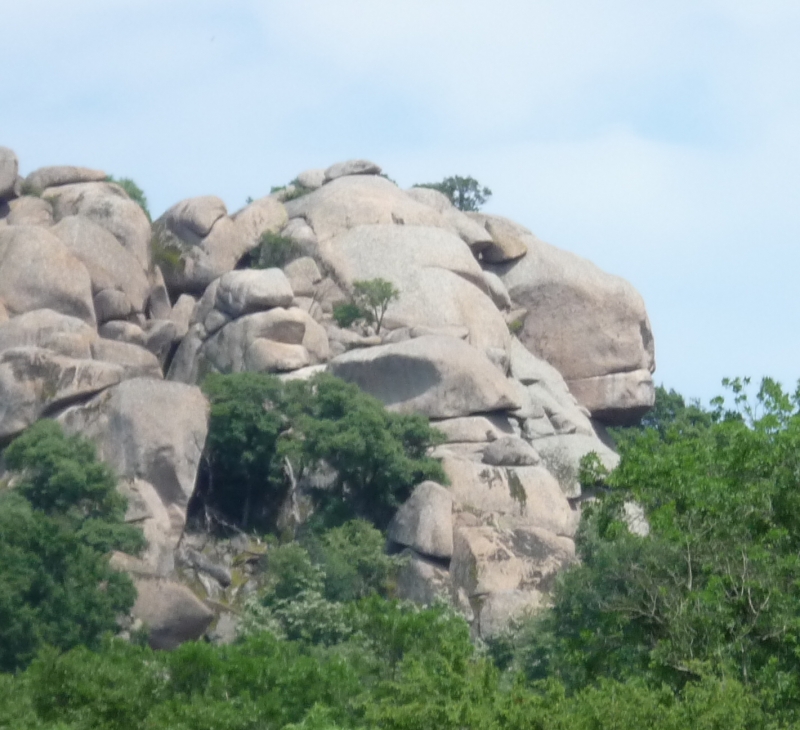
x: 466, y: 193
x: 260, y: 427
x: 713, y: 590
x: 57, y: 527
x: 374, y: 297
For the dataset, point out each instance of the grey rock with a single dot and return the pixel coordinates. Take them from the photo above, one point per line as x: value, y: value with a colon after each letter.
x: 470, y: 231
x: 422, y: 580
x: 181, y: 314
x: 502, y: 611
x: 158, y: 302
x: 47, y: 177
x: 303, y: 275
x: 474, y: 429
x: 64, y: 335
x: 135, y: 361
x: 9, y: 168
x: 618, y: 399
x: 193, y: 218
x: 34, y: 381
x: 312, y: 179
x: 440, y: 377
x: 108, y: 205
x: 37, y: 271
x: 248, y: 291
x: 351, y: 167
x: 510, y: 451
x: 29, y: 211
x: 509, y: 240
x: 497, y: 290
x: 562, y: 455
x: 123, y: 332
x: 423, y: 522
x: 111, y: 304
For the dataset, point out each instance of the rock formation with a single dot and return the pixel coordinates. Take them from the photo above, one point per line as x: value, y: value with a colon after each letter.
x: 109, y: 323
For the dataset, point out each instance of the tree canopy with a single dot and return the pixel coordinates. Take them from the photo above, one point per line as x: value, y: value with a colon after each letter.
x: 466, y: 193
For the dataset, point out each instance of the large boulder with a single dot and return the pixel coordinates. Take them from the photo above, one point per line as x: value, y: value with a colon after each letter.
x: 422, y: 580
x: 9, y: 169
x: 191, y: 259
x: 440, y: 377
x: 470, y: 231
x: 584, y: 322
x: 108, y: 205
x: 64, y: 335
x: 525, y: 496
x: 110, y: 265
x: 507, y: 240
x: 29, y: 210
x: 148, y: 429
x: 53, y: 176
x: 37, y: 271
x: 440, y: 283
x: 424, y: 522
x: 562, y: 455
x: 617, y: 399
x: 170, y: 611
x: 358, y: 200
x: 351, y: 167
x: 34, y: 382
x: 252, y: 290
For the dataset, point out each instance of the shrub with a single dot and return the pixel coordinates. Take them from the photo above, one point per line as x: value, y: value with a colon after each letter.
x: 56, y: 530
x: 274, y: 251
x: 346, y: 314
x: 466, y: 193
x: 371, y: 299
x: 258, y: 423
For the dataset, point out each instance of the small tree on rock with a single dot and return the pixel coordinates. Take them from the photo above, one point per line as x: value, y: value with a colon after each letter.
x: 466, y: 193
x: 373, y: 297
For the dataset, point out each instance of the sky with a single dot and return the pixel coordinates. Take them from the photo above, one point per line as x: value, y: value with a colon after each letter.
x: 659, y: 139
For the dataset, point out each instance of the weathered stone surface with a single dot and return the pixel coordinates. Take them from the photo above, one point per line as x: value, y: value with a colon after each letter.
x: 500, y: 611
x: 226, y: 351
x: 147, y: 511
x: 64, y: 335
x: 109, y: 264
x: 171, y: 612
x: 360, y: 200
x: 581, y: 320
x: 315, y: 339
x: 497, y: 290
x: 474, y: 428
x: 488, y: 561
x: 108, y: 205
x: 562, y: 455
x: 193, y: 218
x: 469, y: 230
x: 135, y: 361
x: 303, y: 275
x: 252, y: 290
x: 618, y: 399
x: 312, y: 179
x: 424, y: 522
x: 440, y: 377
x: 158, y: 301
x: 37, y: 271
x: 422, y: 580
x: 510, y: 451
x: 159, y: 336
x: 440, y: 283
x: 191, y: 263
x: 520, y: 496
x: 148, y: 429
x: 29, y: 211
x: 509, y: 240
x: 9, y: 168
x: 111, y: 304
x: 187, y: 359
x: 181, y: 314
x: 123, y: 332
x: 34, y: 381
x: 351, y: 167
x: 302, y: 234
x: 268, y: 356
x: 47, y: 177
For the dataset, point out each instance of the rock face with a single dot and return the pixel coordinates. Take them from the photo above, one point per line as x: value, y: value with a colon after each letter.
x: 96, y: 305
x: 441, y: 377
x: 591, y: 326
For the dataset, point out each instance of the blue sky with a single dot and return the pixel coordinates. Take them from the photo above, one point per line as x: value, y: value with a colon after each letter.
x: 661, y: 140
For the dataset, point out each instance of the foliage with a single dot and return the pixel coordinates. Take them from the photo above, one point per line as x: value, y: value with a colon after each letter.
x: 259, y: 427
x: 165, y: 253
x: 713, y: 591
x: 466, y: 193
x: 346, y: 314
x: 274, y: 251
x: 57, y: 527
x: 292, y: 191
x: 371, y: 299
x: 134, y: 192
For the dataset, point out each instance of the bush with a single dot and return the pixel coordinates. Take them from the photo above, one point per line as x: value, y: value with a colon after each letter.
x: 258, y: 424
x: 57, y: 528
x: 346, y: 314
x: 466, y: 193
x: 371, y: 299
x: 274, y: 251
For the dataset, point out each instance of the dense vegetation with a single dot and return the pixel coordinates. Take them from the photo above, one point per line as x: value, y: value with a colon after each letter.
x: 465, y: 193
x: 57, y: 526
x: 267, y: 436
x: 693, y: 626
